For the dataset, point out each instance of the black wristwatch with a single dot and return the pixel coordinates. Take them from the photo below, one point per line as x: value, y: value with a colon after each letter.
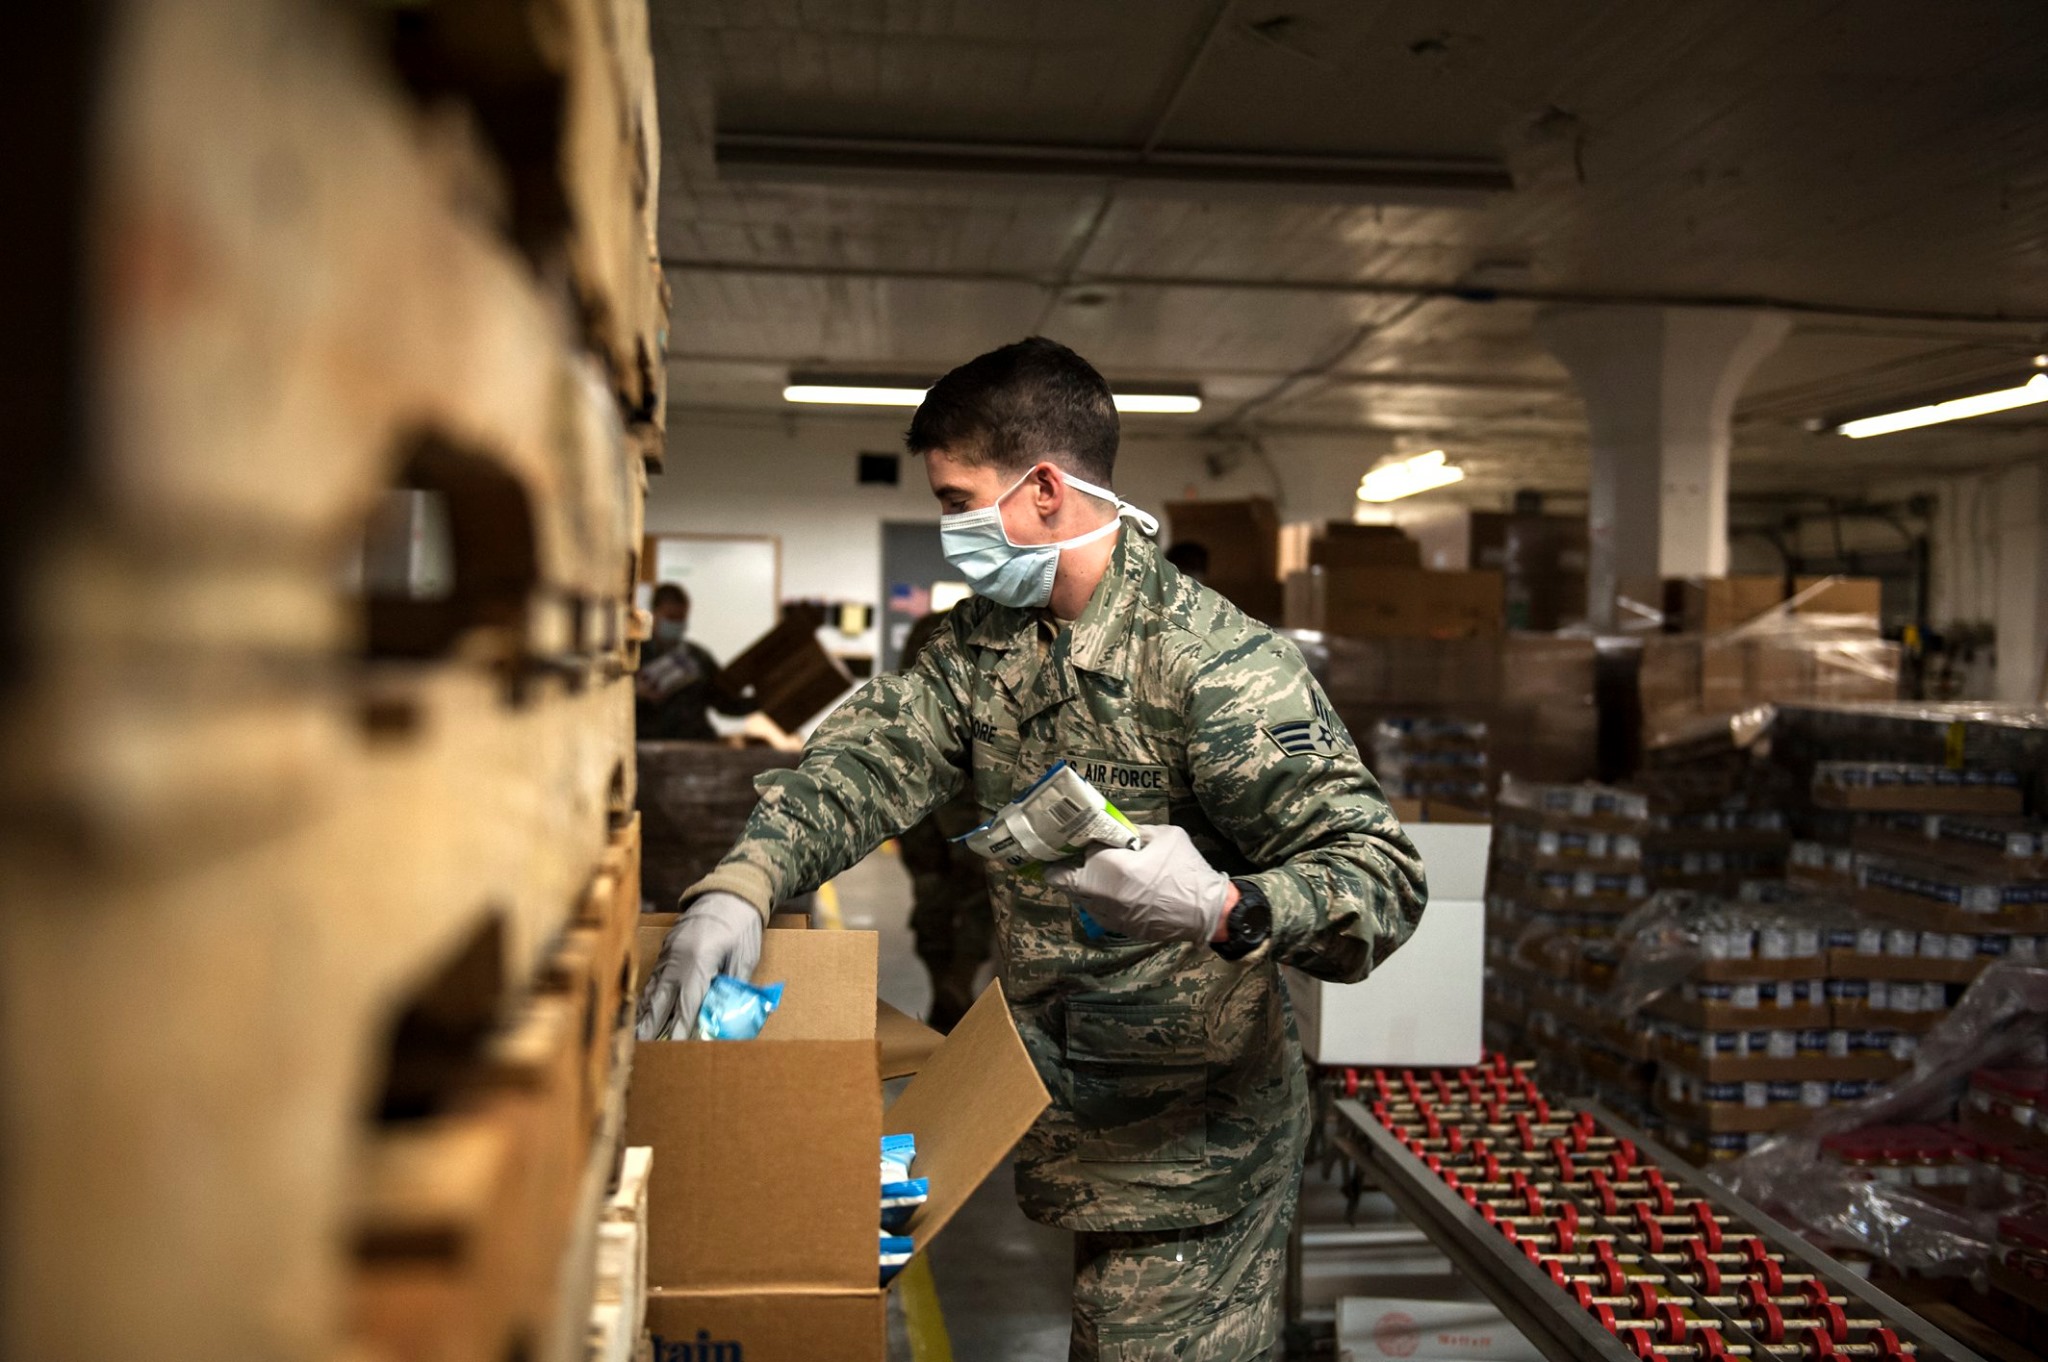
x: 1249, y: 924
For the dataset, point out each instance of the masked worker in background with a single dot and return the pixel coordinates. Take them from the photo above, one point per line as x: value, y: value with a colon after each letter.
x: 1173, y: 1145
x: 950, y: 914
x: 677, y: 683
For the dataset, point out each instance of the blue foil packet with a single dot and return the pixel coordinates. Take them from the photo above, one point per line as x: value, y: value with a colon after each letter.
x: 896, y: 1251
x: 734, y: 1010
x: 898, y: 1153
x: 900, y: 1201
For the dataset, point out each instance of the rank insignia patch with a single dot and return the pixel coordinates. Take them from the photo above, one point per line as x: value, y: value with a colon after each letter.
x: 1317, y: 737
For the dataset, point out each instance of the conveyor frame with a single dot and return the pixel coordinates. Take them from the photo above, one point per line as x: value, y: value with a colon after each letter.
x: 1532, y: 1303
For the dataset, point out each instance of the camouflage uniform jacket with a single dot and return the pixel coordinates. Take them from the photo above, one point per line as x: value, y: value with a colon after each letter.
x: 1177, y: 1081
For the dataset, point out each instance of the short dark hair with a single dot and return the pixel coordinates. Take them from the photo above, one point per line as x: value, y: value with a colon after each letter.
x: 668, y: 593
x: 1030, y: 402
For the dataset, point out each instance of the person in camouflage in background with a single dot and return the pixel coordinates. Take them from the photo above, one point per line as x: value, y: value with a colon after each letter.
x: 1173, y: 1145
x: 951, y: 917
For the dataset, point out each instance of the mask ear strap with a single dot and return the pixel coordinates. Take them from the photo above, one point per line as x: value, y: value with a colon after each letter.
x: 1147, y: 522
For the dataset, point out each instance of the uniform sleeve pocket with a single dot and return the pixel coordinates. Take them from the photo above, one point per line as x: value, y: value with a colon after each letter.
x: 1140, y: 1082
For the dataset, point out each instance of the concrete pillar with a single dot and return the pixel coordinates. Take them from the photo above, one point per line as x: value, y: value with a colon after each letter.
x: 1659, y: 385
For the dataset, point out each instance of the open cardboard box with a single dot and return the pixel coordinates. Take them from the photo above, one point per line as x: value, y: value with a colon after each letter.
x: 763, y: 1209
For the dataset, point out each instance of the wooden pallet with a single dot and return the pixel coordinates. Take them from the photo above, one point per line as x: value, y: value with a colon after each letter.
x: 263, y: 846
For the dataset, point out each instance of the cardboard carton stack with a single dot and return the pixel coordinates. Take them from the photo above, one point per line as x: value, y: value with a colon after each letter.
x: 1242, y: 539
x: 1915, y: 814
x: 1396, y: 602
x: 1542, y: 562
x: 1717, y: 848
x: 1423, y: 759
x: 366, y: 810
x: 1775, y: 1019
x: 1533, y: 693
x: 694, y: 799
x: 1566, y: 870
x: 1742, y: 643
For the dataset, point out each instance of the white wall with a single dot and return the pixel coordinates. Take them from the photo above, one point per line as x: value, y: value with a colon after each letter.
x: 1989, y: 564
x: 793, y: 476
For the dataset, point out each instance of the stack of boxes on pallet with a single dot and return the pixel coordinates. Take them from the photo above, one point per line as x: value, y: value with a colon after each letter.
x: 1423, y: 762
x: 1762, y: 994
x: 1532, y: 696
x: 1734, y: 643
x: 321, y: 874
x: 1763, y: 1029
x: 694, y: 801
x: 1917, y: 816
x: 1567, y: 869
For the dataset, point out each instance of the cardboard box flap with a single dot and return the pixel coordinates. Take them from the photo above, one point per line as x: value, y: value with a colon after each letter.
x: 829, y: 979
x: 968, y: 1106
x: 906, y: 1042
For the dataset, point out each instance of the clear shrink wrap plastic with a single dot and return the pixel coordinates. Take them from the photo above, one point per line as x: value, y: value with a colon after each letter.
x: 2000, y: 1023
x: 1675, y: 931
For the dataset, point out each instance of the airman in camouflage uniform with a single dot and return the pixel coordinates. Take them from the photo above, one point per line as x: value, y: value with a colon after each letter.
x: 1174, y: 1140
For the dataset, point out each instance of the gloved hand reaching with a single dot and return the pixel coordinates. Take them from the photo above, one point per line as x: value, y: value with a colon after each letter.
x: 718, y: 934
x: 1165, y: 890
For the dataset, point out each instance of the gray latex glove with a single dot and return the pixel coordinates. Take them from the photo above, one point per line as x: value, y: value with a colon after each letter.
x: 718, y: 934
x: 1165, y: 890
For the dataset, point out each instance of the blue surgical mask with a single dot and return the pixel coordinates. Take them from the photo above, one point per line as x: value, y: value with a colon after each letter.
x: 668, y: 632
x: 1010, y: 573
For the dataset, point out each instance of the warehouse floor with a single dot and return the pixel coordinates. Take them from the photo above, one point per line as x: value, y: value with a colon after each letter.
x: 998, y: 1286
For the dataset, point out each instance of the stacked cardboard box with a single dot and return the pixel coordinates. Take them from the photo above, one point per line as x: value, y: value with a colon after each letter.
x: 1542, y: 561
x: 1714, y: 605
x: 1422, y: 758
x: 1566, y: 870
x: 1242, y: 539
x: 1532, y: 692
x: 1396, y: 602
x: 1342, y: 547
x: 371, y: 268
x: 1717, y: 848
x: 1689, y: 678
x: 694, y: 801
x: 1773, y: 1019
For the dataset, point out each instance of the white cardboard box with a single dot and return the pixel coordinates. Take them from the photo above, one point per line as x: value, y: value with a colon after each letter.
x: 1423, y: 1006
x: 1372, y: 1329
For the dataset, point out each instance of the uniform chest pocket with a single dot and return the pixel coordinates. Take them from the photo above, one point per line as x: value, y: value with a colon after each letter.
x: 1140, y: 1082
x: 995, y: 772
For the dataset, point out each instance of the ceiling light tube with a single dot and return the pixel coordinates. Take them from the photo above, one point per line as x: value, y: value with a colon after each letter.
x: 1423, y: 473
x: 852, y: 391
x: 853, y: 394
x: 2026, y: 394
x: 1161, y: 400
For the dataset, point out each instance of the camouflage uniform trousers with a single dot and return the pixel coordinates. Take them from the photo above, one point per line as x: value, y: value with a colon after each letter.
x: 1213, y: 1293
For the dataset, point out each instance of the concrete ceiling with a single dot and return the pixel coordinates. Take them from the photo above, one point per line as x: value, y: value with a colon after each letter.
x: 1879, y: 168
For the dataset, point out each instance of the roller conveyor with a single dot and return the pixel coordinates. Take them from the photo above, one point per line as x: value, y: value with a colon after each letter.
x: 1599, y: 1244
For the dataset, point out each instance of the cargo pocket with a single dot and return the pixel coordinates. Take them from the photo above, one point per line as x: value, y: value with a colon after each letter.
x: 1140, y: 1082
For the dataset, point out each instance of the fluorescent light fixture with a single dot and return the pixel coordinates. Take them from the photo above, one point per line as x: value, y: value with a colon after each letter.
x: 848, y: 390
x: 2026, y: 394
x: 1392, y: 481
x: 1163, y: 404
x: 946, y: 595
x: 853, y: 394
